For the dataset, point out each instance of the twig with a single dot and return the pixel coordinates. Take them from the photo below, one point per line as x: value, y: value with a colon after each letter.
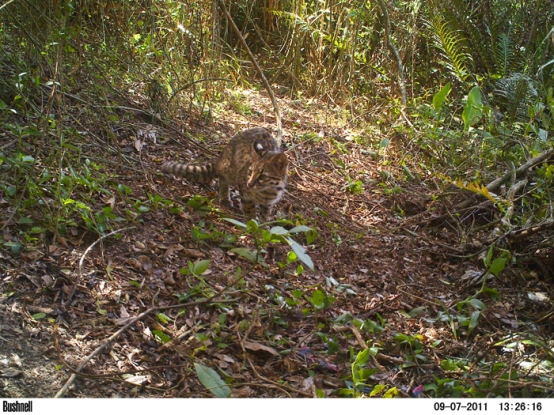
x: 110, y: 339
x: 78, y: 279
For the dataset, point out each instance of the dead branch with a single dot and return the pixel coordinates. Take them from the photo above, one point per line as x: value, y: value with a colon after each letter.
x: 259, y: 70
x: 495, y: 184
x: 525, y: 232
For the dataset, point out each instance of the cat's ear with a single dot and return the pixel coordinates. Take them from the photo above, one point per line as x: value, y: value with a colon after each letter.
x: 260, y: 148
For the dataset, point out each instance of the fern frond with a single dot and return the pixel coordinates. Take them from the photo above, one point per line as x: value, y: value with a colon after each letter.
x: 451, y: 43
x: 504, y: 53
x: 515, y: 93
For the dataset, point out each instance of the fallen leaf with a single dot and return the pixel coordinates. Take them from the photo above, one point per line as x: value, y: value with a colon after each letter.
x: 257, y: 346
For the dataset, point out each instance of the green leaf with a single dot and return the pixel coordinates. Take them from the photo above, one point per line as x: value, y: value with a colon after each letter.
x: 200, y: 267
x: 391, y: 393
x: 162, y: 336
x: 291, y: 257
x: 498, y: 266
x: 473, y: 321
x: 408, y: 173
x: 449, y: 365
x: 384, y: 143
x: 212, y: 381
x: 252, y: 226
x: 278, y: 230
x: 377, y: 390
x: 440, y: 97
x: 311, y: 236
x: 488, y: 259
x: 301, y: 253
x: 163, y: 318
x: 246, y: 253
x: 473, y: 109
x: 301, y: 228
x: 25, y: 221
x: 38, y: 316
x: 319, y: 300
x: 476, y: 304
x: 15, y: 246
x: 236, y: 222
x: 362, y: 358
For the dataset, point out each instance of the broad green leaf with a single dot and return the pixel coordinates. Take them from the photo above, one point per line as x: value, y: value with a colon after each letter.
x: 362, y: 357
x: 477, y: 304
x: 251, y: 226
x: 440, y: 97
x: 391, y: 393
x: 377, y: 390
x: 38, y: 316
x: 311, y: 236
x: 301, y: 253
x: 473, y: 109
x: 319, y: 299
x: 246, y: 253
x: 236, y: 222
x: 291, y: 257
x: 212, y: 381
x: 201, y: 266
x: 498, y: 265
x: 301, y: 228
x: 384, y: 143
x: 279, y: 230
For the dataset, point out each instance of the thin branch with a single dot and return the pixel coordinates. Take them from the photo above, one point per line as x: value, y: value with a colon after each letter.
x: 78, y: 279
x: 259, y: 70
x: 394, y: 51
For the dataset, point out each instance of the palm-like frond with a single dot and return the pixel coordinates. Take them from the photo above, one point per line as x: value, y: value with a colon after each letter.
x: 514, y: 93
x: 451, y: 43
x: 504, y: 53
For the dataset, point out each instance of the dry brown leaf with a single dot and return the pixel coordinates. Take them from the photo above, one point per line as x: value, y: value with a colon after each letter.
x: 257, y: 347
x: 193, y: 253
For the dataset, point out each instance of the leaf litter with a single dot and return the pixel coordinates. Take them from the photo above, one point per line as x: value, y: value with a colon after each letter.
x: 275, y: 330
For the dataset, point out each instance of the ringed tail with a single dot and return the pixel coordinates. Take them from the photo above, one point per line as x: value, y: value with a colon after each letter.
x: 200, y: 174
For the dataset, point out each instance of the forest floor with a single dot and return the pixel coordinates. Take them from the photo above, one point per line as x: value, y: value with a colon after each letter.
x: 392, y: 272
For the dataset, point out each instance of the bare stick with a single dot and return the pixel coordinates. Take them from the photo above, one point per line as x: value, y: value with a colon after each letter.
x: 394, y: 51
x: 78, y: 279
x: 259, y: 70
